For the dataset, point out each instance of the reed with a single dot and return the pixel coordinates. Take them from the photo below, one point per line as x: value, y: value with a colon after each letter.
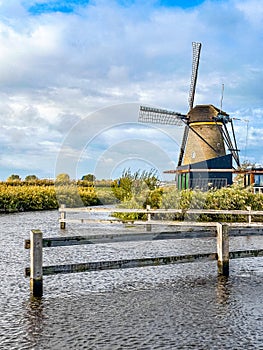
x: 30, y: 197
x: 24, y: 198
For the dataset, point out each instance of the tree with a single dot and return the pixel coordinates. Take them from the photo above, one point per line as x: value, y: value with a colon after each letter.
x: 31, y: 178
x: 63, y: 178
x: 88, y: 177
x: 14, y: 177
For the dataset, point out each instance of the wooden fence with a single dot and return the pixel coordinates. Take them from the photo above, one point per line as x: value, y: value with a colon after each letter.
x: 36, y: 243
x: 150, y: 214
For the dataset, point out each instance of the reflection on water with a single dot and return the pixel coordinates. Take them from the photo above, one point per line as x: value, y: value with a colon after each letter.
x: 223, y: 289
x: 183, y: 306
x: 34, y: 319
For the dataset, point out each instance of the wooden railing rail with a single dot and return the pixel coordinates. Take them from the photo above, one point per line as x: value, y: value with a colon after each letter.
x: 150, y: 212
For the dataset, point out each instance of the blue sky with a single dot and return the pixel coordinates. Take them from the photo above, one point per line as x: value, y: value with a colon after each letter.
x: 38, y: 8
x: 65, y: 6
x: 73, y: 74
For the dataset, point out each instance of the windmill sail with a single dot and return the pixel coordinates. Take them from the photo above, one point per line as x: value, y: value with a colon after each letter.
x: 195, y: 64
x: 160, y: 116
x: 184, y: 140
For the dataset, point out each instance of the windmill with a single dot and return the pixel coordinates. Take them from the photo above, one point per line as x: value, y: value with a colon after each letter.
x: 206, y: 135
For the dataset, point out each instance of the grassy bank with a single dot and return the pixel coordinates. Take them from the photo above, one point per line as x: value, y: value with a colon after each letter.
x: 45, y: 195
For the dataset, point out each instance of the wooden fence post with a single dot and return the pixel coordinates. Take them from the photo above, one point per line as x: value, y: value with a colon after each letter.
x: 36, y: 261
x: 249, y: 216
x: 222, y: 249
x: 63, y: 217
x: 148, y: 226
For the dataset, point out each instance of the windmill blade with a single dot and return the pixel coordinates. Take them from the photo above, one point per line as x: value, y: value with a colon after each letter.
x: 195, y: 64
x: 160, y: 116
x: 184, y: 140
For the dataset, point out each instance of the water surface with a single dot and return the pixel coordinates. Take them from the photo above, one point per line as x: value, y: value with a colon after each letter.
x: 184, y: 306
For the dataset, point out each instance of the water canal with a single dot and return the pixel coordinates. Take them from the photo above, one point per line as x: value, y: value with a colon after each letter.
x: 168, y: 307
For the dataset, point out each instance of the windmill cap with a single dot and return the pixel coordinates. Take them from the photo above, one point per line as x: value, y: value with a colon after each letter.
x: 204, y: 113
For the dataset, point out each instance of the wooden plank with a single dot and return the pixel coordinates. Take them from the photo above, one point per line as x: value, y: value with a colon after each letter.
x: 184, y: 232
x: 166, y: 222
x: 95, y: 239
x: 123, y: 264
x: 103, y: 210
x: 99, y: 221
x: 224, y: 212
x: 245, y: 230
x: 119, y: 237
x: 120, y: 210
x: 175, y: 223
x: 162, y: 211
x: 189, y: 224
x: 131, y: 263
x: 251, y: 253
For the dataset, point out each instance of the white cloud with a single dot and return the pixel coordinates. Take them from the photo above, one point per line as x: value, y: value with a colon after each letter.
x: 57, y: 68
x: 253, y: 11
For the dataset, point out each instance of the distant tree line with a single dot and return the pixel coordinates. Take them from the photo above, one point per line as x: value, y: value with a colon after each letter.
x: 88, y: 180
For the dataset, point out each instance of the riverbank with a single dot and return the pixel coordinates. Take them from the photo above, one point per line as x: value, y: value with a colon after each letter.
x: 43, y: 195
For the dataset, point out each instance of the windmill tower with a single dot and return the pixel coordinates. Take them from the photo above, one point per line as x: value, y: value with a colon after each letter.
x: 205, y: 137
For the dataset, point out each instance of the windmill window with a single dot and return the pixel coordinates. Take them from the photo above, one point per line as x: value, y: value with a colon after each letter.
x: 193, y: 155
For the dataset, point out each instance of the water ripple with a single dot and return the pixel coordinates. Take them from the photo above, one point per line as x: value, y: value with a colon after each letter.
x: 183, y: 306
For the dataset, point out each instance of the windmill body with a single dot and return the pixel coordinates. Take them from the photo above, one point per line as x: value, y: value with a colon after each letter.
x: 203, y: 128
x: 203, y: 160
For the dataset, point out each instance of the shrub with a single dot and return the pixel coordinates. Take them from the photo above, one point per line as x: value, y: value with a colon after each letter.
x: 230, y: 198
x: 130, y: 184
x: 26, y: 198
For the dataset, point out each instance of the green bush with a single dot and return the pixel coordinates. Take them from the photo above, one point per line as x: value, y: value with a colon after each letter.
x: 229, y: 198
x: 130, y: 184
x: 23, y: 198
